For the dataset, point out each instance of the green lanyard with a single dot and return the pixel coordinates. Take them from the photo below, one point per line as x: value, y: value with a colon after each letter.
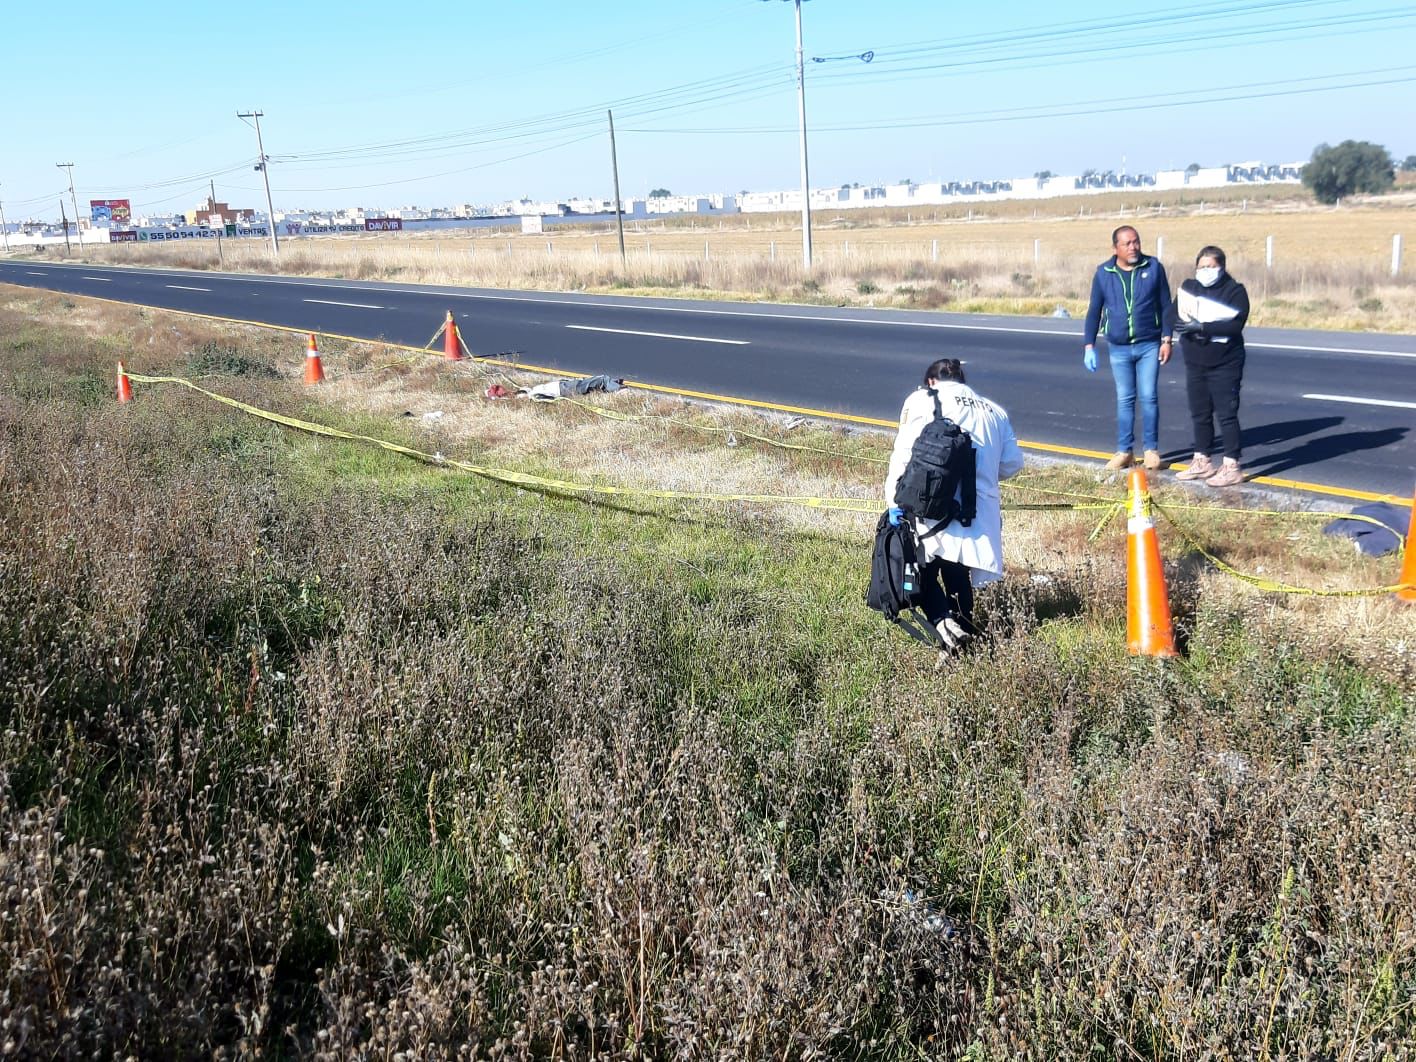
x: 1128, y: 292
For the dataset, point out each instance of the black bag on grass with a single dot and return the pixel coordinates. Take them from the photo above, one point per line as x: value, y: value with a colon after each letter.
x: 894, y: 579
x: 941, y: 480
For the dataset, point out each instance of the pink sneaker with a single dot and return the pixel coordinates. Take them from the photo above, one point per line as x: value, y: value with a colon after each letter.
x: 1200, y: 468
x: 1228, y: 476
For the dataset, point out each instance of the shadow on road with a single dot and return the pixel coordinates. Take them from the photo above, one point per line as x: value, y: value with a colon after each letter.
x: 1269, y: 434
x: 1324, y: 448
x: 1283, y: 430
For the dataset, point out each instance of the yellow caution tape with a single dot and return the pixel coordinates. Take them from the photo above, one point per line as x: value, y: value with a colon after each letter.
x: 504, y: 475
x: 1271, y: 585
x: 1310, y: 513
x: 1320, y: 488
x: 642, y: 417
x: 854, y: 505
x: 526, y: 479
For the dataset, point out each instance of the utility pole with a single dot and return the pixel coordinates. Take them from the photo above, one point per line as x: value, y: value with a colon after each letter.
x: 4, y: 229
x: 264, y: 167
x: 67, y: 249
x: 614, y: 163
x: 72, y: 197
x: 805, y: 182
x: 220, y: 254
x: 801, y: 121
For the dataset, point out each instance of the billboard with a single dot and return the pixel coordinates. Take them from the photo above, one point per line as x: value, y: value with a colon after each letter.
x: 383, y: 224
x: 115, y: 236
x: 116, y: 211
x: 164, y: 235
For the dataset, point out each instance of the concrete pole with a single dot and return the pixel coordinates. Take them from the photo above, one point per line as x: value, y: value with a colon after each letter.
x: 1268, y: 252
x: 72, y: 198
x: 615, y: 166
x: 1396, y: 255
x: 265, y: 175
x: 1160, y: 248
x: 805, y: 180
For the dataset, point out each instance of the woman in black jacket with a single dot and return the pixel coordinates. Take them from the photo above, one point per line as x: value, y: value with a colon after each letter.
x: 1212, y: 344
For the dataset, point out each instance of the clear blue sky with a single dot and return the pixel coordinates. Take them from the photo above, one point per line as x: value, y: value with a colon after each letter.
x: 430, y: 103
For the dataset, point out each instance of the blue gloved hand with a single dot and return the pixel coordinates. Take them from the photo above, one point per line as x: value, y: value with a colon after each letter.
x: 896, y: 515
x: 1089, y: 359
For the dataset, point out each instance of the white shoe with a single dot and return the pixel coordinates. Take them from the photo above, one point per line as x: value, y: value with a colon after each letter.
x: 951, y: 634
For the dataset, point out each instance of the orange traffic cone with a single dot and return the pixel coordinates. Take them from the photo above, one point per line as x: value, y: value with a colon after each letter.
x: 452, y: 342
x: 1148, y: 628
x: 125, y: 385
x: 1408, y: 566
x: 314, y: 371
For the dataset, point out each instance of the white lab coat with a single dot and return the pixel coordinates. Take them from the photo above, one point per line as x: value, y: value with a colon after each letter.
x: 980, y: 545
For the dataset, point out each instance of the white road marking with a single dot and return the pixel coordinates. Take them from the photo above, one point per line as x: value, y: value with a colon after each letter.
x: 536, y: 298
x: 662, y: 335
x: 1363, y: 401
x: 32, y: 273
x: 354, y: 305
x: 1337, y: 350
x: 101, y: 280
x: 185, y: 287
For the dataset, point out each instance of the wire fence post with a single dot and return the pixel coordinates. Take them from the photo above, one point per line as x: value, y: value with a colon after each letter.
x: 1037, y: 252
x: 1396, y: 242
x: 1160, y: 248
x: 1268, y: 252
x: 934, y: 251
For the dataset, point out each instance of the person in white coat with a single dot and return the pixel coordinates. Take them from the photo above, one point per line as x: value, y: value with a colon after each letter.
x: 960, y: 558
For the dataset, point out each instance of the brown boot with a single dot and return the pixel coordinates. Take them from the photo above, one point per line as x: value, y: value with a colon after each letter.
x: 1200, y: 468
x: 1228, y: 476
x: 1119, y: 461
x: 1152, y: 461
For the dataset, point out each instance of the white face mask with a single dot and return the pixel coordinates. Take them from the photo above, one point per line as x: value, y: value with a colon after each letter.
x: 1208, y: 275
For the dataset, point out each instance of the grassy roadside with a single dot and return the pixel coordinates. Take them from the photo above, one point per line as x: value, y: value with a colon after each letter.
x: 309, y: 749
x: 1331, y: 267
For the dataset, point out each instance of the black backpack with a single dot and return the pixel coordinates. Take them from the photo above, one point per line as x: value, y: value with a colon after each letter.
x: 894, y: 579
x: 941, y: 480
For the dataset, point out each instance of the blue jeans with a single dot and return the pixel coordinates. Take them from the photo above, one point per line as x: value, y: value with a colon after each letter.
x: 1136, y: 369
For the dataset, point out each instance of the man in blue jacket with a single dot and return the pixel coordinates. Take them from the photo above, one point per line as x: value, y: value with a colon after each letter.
x: 1132, y: 307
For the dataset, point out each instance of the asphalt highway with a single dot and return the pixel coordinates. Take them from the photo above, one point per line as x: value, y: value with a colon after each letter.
x: 1328, y: 408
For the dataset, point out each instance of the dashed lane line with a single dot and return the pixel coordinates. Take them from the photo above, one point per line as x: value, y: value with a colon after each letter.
x: 662, y: 335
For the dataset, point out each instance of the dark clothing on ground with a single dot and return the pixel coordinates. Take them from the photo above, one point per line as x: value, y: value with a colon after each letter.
x: 1372, y: 540
x: 1214, y: 365
x: 1129, y: 306
x: 953, y: 600
x: 1214, y: 392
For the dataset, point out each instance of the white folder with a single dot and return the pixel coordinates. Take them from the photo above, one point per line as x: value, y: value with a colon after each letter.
x: 1202, y: 309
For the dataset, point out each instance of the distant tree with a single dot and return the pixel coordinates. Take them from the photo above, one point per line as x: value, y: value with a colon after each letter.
x: 660, y: 193
x: 1088, y: 173
x: 1193, y: 168
x: 1409, y: 163
x: 906, y: 180
x: 1044, y: 175
x: 1353, y: 166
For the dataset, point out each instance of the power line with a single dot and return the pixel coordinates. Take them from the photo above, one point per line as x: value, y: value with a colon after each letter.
x: 1083, y: 108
